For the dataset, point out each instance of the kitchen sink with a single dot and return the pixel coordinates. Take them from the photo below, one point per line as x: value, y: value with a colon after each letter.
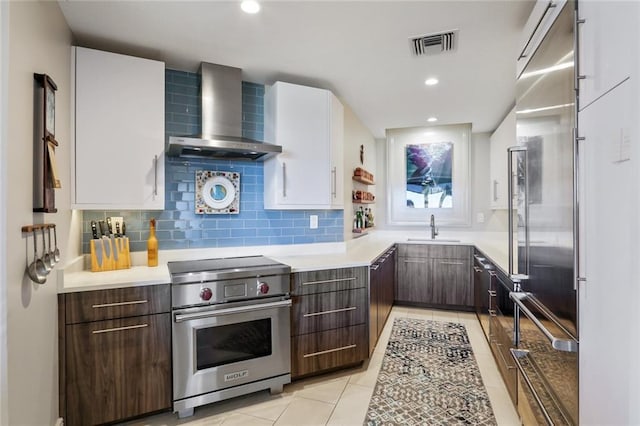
x: 429, y: 240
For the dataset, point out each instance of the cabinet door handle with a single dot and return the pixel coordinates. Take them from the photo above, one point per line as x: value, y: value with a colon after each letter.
x: 504, y: 360
x: 110, y: 305
x: 333, y: 311
x: 495, y: 190
x: 284, y: 179
x: 334, y: 188
x: 329, y: 351
x: 492, y: 293
x: 413, y: 261
x: 328, y: 281
x: 111, y: 330
x: 476, y: 269
x: 155, y: 175
x: 524, y: 53
x: 450, y: 263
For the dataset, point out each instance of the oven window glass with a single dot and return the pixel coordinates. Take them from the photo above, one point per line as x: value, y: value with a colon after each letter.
x: 225, y: 344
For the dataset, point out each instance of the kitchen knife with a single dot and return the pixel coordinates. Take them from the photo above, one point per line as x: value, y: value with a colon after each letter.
x: 97, y: 245
x: 107, y: 247
x: 124, y: 228
x: 118, y: 229
x: 103, y: 228
x: 94, y: 230
x: 114, y: 245
x: 109, y: 227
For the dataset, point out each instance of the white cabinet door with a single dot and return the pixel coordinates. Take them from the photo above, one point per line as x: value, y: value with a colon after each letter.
x: 119, y: 131
x: 308, y: 124
x: 607, y: 38
x: 503, y: 137
x: 609, y: 199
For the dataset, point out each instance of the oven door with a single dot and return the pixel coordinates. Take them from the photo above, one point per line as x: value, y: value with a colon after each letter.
x: 222, y: 346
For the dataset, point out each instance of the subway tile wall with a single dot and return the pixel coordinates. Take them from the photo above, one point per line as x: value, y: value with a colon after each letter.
x: 178, y: 227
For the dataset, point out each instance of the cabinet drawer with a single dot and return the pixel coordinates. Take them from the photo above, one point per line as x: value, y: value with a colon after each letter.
x: 329, y: 280
x: 434, y: 251
x: 500, y: 344
x: 116, y: 303
x: 324, y: 311
x: 328, y: 349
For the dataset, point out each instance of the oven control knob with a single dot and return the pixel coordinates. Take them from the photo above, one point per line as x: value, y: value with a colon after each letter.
x: 263, y: 288
x: 206, y: 293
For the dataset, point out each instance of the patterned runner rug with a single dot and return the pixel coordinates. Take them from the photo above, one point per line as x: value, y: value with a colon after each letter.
x: 429, y: 376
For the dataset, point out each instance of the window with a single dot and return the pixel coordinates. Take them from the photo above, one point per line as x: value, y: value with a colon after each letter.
x: 428, y: 173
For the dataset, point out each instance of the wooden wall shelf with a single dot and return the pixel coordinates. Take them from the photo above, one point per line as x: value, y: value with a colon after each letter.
x: 363, y: 202
x: 362, y: 180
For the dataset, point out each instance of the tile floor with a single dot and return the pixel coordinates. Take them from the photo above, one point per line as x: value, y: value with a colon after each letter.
x: 341, y: 398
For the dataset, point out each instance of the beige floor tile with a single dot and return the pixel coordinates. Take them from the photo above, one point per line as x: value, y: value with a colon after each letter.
x: 305, y: 412
x: 351, y: 409
x: 399, y: 310
x: 489, y: 371
x: 503, y: 408
x: 239, y: 419
x: 321, y: 388
x: 267, y: 406
x: 369, y: 374
x: 419, y: 313
x: 468, y: 317
x: 448, y: 316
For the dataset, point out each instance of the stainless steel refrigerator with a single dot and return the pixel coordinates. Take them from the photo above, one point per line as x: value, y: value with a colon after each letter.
x: 541, y: 229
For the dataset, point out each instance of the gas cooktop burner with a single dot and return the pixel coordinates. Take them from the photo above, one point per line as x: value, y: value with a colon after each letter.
x: 191, y: 271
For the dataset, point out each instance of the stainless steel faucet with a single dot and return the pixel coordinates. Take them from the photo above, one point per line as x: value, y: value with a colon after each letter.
x: 432, y: 224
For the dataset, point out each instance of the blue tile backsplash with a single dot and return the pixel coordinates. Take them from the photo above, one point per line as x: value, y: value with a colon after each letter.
x: 178, y: 227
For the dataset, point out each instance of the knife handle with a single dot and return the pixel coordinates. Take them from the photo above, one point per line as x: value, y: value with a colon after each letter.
x: 94, y: 230
x: 124, y: 228
x: 109, y: 227
x: 103, y: 227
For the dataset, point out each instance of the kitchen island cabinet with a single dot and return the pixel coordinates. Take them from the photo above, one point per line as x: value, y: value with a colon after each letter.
x: 309, y: 125
x: 435, y: 275
x: 382, y: 282
x: 328, y: 320
x: 118, y: 119
x: 115, y: 354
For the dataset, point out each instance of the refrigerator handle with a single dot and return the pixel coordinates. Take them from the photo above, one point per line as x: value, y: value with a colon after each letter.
x: 510, y: 151
x: 565, y: 345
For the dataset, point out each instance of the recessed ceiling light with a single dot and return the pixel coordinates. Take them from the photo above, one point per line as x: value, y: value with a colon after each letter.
x: 250, y: 6
x: 432, y: 119
x: 431, y: 81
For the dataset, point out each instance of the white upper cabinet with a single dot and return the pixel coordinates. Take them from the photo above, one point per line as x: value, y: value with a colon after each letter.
x: 606, y: 40
x: 118, y: 105
x: 309, y: 125
x: 501, y: 139
x: 542, y: 16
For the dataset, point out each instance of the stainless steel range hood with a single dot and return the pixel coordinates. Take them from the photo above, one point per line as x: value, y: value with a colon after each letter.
x: 221, y: 108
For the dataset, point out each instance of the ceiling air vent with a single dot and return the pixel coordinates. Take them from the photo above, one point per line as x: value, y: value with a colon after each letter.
x: 433, y: 43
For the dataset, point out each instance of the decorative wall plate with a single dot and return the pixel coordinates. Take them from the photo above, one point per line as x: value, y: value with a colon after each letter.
x: 217, y: 192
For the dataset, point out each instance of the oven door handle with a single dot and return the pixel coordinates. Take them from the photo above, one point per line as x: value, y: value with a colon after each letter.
x: 208, y: 313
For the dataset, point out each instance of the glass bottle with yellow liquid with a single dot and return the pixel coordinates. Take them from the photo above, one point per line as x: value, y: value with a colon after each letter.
x: 152, y: 245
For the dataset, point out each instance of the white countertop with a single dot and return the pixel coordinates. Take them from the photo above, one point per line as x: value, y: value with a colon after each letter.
x: 358, y: 252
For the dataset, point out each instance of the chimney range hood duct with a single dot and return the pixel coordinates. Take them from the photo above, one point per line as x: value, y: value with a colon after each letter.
x: 221, y: 108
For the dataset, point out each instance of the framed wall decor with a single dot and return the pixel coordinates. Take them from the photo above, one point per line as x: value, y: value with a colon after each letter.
x: 217, y: 192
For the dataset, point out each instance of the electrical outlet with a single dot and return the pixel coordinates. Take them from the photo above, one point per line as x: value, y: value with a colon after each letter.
x: 313, y: 221
x: 480, y: 217
x: 116, y: 223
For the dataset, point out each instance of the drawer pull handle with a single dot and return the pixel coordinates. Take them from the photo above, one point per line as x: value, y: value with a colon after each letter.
x: 492, y: 312
x: 328, y: 351
x: 334, y: 311
x: 111, y: 330
x: 413, y: 261
x: 504, y: 360
x: 337, y: 280
x: 492, y: 293
x: 109, y: 305
x: 451, y: 263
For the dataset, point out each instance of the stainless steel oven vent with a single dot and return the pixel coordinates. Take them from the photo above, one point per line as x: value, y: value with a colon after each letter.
x: 432, y: 44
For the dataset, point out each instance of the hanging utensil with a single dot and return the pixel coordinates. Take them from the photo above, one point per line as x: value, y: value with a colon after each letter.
x: 56, y: 253
x: 46, y: 258
x: 36, y: 269
x: 52, y: 259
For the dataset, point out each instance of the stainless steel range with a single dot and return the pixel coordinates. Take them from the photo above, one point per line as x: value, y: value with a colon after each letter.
x: 231, y: 329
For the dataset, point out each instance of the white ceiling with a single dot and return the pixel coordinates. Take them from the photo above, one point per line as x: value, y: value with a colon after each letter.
x: 358, y: 49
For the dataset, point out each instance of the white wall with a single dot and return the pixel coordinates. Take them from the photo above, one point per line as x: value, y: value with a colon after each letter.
x: 39, y: 41
x: 356, y: 134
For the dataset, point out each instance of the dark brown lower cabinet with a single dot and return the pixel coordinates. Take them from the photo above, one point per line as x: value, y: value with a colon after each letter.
x: 328, y: 320
x: 382, y: 278
x: 116, y: 368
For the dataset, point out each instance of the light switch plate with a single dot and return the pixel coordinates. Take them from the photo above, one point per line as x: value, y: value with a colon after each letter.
x: 313, y: 221
x: 480, y: 217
